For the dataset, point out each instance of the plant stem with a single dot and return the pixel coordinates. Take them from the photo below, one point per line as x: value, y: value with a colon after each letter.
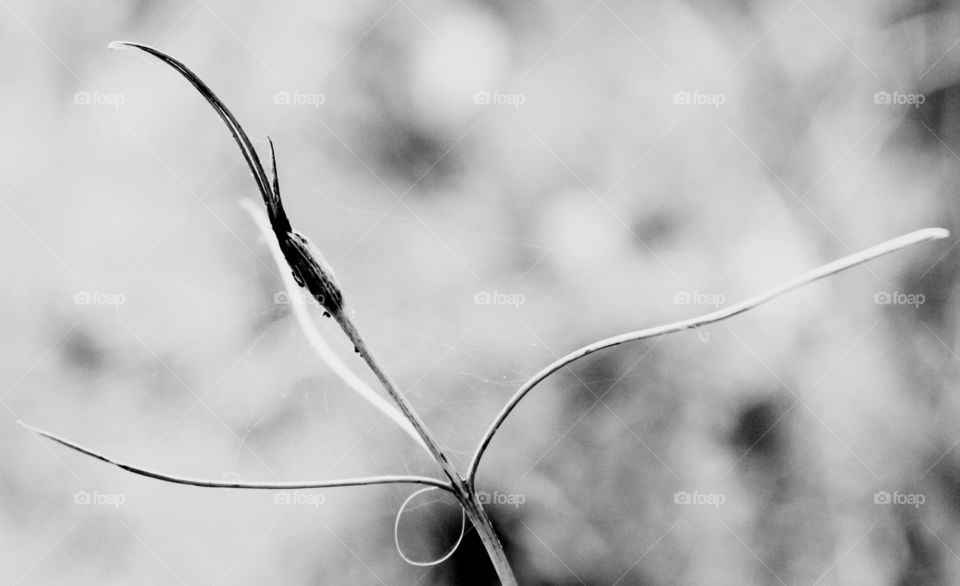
x: 816, y: 274
x: 315, y: 339
x: 208, y: 483
x: 488, y: 536
x: 361, y: 347
x: 463, y: 490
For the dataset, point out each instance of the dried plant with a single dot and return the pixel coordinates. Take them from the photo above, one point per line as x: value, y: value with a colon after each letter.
x: 295, y: 253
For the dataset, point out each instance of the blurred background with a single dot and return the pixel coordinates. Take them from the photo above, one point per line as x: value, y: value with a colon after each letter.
x: 495, y: 183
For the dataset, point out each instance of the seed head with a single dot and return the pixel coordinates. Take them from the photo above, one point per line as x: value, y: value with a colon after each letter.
x: 310, y: 270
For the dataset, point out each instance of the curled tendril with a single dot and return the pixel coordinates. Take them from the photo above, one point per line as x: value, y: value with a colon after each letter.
x: 396, y: 533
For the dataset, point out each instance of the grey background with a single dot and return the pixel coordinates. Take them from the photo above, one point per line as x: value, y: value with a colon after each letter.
x: 596, y: 201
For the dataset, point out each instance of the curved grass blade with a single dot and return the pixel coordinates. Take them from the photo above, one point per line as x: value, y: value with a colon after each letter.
x: 295, y: 485
x: 271, y: 198
x: 816, y: 274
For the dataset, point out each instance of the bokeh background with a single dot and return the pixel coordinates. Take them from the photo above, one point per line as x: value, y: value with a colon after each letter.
x: 495, y: 184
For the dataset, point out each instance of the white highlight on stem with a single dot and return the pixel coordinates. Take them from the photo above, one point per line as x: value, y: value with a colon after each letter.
x: 313, y: 335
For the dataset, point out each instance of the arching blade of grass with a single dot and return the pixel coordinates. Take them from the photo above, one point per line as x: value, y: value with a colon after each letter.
x: 278, y: 219
x: 296, y: 485
x: 727, y: 312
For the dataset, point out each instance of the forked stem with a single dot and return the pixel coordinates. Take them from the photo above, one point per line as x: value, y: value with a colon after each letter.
x: 311, y: 271
x: 463, y: 490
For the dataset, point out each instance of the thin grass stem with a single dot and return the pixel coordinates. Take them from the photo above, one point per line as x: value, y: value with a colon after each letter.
x: 297, y: 485
x: 805, y: 279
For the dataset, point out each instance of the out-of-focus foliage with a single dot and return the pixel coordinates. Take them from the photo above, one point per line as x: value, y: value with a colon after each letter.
x: 494, y: 183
